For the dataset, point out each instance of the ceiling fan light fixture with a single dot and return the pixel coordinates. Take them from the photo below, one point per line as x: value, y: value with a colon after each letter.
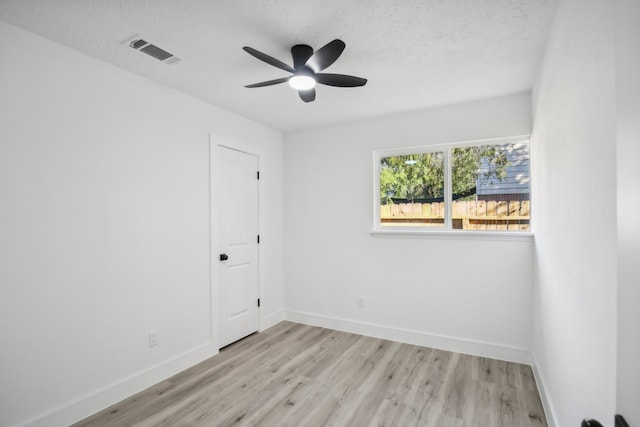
x: 307, y: 67
x: 302, y: 82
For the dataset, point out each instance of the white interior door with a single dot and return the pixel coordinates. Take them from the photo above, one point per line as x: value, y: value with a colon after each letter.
x: 237, y: 207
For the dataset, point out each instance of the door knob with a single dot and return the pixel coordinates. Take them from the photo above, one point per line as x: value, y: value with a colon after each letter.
x: 224, y: 257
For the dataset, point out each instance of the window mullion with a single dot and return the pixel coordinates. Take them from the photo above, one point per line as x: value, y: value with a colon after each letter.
x: 447, y: 190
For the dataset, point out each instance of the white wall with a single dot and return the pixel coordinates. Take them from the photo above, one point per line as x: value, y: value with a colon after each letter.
x: 464, y: 295
x: 574, y: 169
x: 104, y: 229
x: 627, y: 15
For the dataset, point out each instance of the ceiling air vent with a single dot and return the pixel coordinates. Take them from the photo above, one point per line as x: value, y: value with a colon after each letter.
x: 144, y: 45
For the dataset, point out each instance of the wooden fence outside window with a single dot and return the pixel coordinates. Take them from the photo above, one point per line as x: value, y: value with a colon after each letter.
x: 466, y: 215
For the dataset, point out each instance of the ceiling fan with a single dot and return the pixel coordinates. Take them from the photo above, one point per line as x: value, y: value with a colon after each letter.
x: 307, y: 65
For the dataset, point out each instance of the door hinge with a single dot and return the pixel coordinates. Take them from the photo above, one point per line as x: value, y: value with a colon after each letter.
x: 258, y: 238
x: 258, y: 302
x: 258, y: 175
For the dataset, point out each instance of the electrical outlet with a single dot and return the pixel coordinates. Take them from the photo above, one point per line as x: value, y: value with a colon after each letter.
x: 360, y: 302
x: 153, y: 338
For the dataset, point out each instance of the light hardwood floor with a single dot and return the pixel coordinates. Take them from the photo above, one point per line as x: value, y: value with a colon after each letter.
x: 298, y: 375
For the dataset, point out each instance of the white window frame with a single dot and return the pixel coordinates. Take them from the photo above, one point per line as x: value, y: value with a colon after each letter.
x: 445, y: 231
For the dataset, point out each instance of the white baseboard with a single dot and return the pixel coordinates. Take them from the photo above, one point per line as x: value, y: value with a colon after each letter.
x: 442, y: 342
x: 549, y: 411
x: 272, y: 319
x: 98, y: 400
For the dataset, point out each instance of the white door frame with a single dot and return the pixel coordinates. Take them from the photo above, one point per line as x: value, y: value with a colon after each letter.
x: 217, y: 142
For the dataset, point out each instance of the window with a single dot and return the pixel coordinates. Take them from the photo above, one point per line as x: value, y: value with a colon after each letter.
x: 478, y: 186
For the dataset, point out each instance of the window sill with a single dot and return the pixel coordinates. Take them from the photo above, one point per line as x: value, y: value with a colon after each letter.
x: 518, y: 236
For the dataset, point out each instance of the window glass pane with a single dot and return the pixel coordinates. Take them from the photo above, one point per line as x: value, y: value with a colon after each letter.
x: 490, y: 187
x: 412, y: 190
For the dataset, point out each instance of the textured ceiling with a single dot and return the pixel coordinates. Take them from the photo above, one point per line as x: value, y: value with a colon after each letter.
x: 415, y: 53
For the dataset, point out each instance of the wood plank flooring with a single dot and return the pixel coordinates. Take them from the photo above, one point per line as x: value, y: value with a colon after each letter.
x: 298, y: 375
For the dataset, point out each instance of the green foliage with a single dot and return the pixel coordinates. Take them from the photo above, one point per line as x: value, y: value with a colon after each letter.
x: 485, y: 162
x: 412, y: 176
x: 421, y: 176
